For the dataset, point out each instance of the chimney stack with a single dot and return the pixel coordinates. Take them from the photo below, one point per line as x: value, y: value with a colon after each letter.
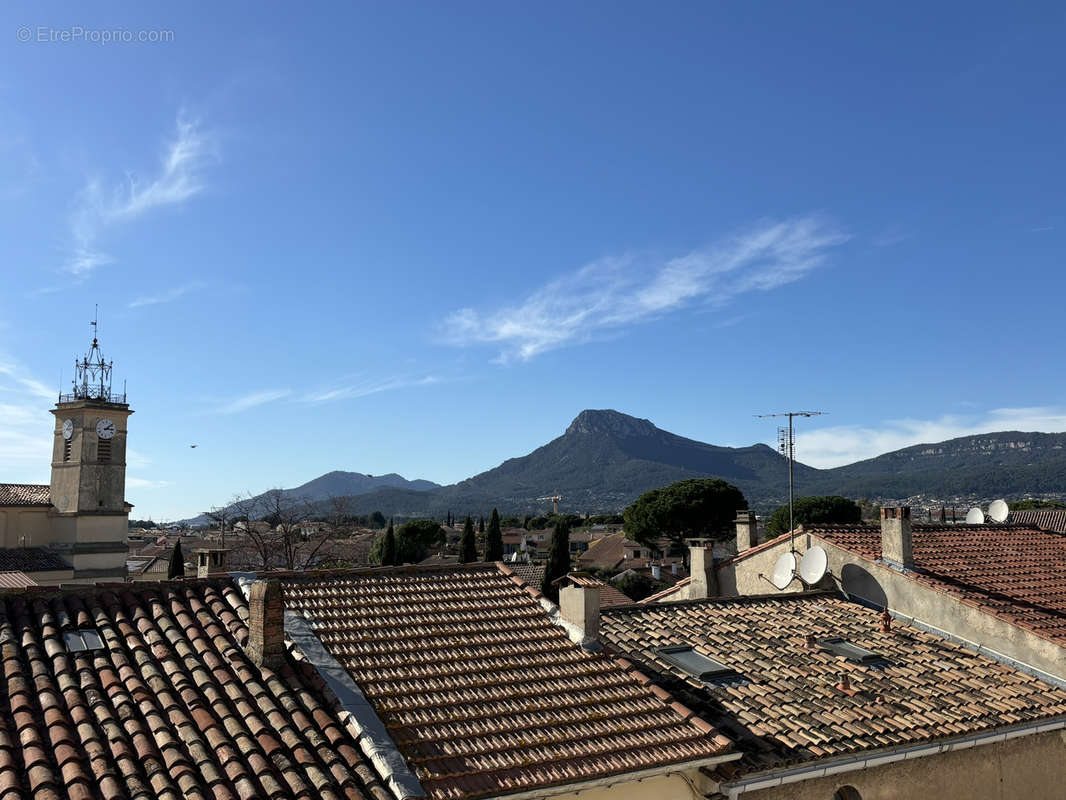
x: 896, y: 547
x: 747, y: 530
x: 266, y: 625
x: 580, y: 606
x: 704, y: 582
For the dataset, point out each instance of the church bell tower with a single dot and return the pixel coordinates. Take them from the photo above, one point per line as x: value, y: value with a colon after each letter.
x: 88, y: 486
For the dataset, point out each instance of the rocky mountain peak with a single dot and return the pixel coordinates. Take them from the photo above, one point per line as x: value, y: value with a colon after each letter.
x: 607, y: 421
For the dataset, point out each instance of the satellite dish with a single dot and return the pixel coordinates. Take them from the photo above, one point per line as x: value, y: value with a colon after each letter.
x: 784, y: 571
x: 975, y: 516
x: 998, y: 511
x: 813, y: 565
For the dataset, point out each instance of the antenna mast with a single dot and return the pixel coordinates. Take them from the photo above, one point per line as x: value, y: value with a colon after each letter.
x: 786, y: 444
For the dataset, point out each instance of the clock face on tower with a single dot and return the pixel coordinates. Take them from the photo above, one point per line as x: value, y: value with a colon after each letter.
x: 105, y: 429
x: 68, y: 428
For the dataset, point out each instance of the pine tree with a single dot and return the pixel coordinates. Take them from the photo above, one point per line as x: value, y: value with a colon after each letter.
x: 467, y: 550
x: 558, y: 560
x: 494, y: 539
x: 176, y: 568
x: 388, y: 550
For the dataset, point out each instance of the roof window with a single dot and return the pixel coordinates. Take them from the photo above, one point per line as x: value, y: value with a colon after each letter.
x: 80, y: 641
x: 696, y: 664
x: 852, y: 652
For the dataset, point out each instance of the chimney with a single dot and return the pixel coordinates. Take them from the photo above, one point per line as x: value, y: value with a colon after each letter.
x: 580, y: 606
x: 656, y: 572
x: 747, y: 530
x: 704, y: 582
x: 210, y: 561
x: 266, y: 625
x: 896, y: 536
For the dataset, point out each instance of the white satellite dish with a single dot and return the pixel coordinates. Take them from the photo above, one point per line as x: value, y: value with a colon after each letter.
x: 998, y: 511
x: 813, y: 565
x: 784, y: 571
x: 975, y: 516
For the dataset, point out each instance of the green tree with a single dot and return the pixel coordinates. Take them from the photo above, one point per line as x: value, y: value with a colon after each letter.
x: 467, y: 550
x: 414, y: 539
x: 636, y: 586
x: 1033, y: 505
x: 558, y: 561
x: 480, y: 524
x: 377, y: 520
x: 695, y: 508
x: 494, y: 539
x: 176, y: 568
x: 388, y: 550
x: 827, y: 509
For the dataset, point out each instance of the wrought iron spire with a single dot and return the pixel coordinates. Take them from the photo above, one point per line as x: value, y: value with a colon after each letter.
x: 92, y: 374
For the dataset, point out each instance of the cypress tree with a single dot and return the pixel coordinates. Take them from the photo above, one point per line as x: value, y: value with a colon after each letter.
x: 558, y: 560
x: 467, y: 550
x: 494, y: 539
x: 480, y: 524
x: 176, y: 568
x: 388, y: 550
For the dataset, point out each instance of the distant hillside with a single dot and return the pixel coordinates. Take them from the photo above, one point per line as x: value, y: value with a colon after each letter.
x: 1008, y: 464
x: 344, y: 484
x: 605, y: 459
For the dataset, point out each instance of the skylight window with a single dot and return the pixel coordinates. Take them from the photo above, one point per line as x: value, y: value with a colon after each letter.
x: 852, y: 652
x: 696, y: 664
x: 80, y: 641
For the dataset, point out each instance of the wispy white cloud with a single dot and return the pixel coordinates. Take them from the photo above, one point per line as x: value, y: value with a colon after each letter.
x: 618, y: 292
x: 99, y: 208
x: 26, y: 435
x: 167, y: 296
x: 26, y: 382
x: 252, y: 399
x: 843, y: 444
x: 369, y: 387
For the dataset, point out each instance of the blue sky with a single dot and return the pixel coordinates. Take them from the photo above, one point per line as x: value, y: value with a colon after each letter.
x: 420, y: 238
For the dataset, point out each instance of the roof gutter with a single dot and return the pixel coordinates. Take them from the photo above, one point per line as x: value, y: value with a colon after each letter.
x: 359, y: 715
x: 625, y: 777
x: 877, y: 758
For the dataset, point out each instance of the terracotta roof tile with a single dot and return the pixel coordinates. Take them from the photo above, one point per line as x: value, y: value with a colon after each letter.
x: 1049, y: 519
x: 170, y: 707
x: 25, y: 494
x: 480, y: 691
x: 1014, y: 572
x: 30, y: 559
x: 784, y: 705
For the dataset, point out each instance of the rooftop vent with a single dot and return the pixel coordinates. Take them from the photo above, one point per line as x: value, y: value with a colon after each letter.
x: 80, y: 641
x: 696, y: 664
x: 852, y: 652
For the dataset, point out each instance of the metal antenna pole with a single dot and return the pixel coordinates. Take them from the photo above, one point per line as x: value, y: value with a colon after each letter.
x: 788, y: 450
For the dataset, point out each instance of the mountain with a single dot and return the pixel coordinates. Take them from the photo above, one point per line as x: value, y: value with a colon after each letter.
x: 343, y: 484
x: 1008, y: 464
x: 605, y: 459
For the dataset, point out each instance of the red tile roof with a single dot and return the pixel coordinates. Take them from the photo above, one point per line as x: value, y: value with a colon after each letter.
x: 666, y: 593
x: 25, y: 494
x: 1015, y: 572
x: 785, y: 706
x: 170, y: 707
x: 482, y: 694
x: 15, y: 580
x: 1050, y: 519
x: 609, y: 595
x: 31, y: 559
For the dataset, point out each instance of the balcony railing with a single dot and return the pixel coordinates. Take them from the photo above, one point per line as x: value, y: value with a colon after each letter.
x: 102, y: 395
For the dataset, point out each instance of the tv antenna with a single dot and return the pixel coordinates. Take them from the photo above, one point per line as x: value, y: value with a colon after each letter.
x: 786, y: 444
